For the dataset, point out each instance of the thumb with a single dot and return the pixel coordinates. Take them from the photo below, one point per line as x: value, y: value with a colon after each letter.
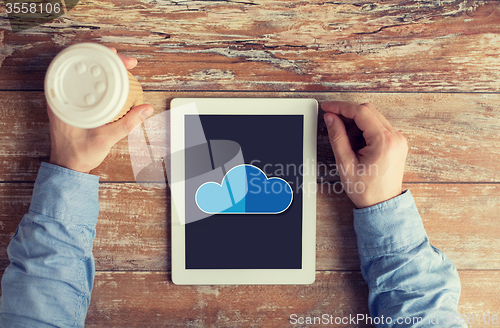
x: 121, y: 128
x: 339, y: 140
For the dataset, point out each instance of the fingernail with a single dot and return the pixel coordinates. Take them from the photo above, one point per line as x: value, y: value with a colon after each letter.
x: 132, y: 59
x: 147, y: 112
x: 328, y: 120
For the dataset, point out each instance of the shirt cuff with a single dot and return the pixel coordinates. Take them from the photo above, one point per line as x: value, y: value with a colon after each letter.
x: 389, y: 227
x: 66, y: 195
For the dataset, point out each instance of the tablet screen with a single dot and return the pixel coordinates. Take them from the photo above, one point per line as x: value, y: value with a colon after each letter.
x: 273, y: 144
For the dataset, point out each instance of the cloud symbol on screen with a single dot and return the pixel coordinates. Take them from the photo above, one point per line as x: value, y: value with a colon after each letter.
x: 245, y: 189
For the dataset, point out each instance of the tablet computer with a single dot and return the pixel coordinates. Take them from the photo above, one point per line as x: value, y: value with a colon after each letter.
x: 243, y: 190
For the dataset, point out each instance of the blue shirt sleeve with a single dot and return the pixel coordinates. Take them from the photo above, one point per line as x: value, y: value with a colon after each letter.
x: 411, y: 282
x: 49, y: 280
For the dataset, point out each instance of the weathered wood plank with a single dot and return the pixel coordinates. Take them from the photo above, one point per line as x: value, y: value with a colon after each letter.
x: 149, y: 299
x: 480, y: 290
x: 274, y: 45
x: 459, y: 218
x: 133, y: 231
x: 452, y: 137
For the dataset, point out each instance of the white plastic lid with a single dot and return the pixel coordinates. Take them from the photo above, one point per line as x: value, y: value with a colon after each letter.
x: 86, y: 85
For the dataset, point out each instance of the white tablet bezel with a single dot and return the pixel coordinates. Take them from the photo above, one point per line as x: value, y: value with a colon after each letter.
x: 244, y: 106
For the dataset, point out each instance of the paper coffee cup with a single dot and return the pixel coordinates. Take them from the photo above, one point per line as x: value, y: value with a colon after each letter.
x: 135, y: 96
x: 87, y: 86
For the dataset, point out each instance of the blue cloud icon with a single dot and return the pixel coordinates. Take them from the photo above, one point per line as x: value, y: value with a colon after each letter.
x: 245, y: 189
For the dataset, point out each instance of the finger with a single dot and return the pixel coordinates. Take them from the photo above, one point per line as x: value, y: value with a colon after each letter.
x: 129, y: 62
x: 380, y: 117
x: 339, y: 140
x: 54, y: 120
x: 118, y: 130
x: 362, y: 115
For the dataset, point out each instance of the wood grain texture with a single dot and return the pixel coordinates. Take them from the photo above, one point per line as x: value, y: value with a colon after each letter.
x: 423, y: 46
x: 480, y: 290
x: 133, y: 230
x: 452, y: 137
x: 149, y: 299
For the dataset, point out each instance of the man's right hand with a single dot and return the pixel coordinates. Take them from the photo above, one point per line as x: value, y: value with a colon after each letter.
x: 370, y: 153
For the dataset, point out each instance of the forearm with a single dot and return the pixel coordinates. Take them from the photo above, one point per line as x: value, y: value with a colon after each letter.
x: 406, y: 276
x: 50, y: 278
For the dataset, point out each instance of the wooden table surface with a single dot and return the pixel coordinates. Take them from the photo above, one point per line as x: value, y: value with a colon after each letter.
x: 431, y: 67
